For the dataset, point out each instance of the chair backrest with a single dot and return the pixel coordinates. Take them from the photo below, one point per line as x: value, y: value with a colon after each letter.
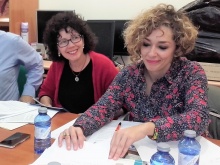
x: 21, y: 79
x: 214, y: 104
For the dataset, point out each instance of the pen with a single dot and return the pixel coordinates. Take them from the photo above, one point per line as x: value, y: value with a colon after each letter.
x: 118, y: 126
x: 38, y: 101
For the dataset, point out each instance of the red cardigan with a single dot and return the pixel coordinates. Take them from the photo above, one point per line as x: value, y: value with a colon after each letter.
x: 103, y: 72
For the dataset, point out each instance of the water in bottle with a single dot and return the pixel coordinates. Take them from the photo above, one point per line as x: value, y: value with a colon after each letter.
x: 189, y: 149
x: 42, y: 137
x: 162, y: 156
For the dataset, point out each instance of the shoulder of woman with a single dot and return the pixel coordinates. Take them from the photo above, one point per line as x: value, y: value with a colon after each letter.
x: 192, y: 64
x: 191, y: 68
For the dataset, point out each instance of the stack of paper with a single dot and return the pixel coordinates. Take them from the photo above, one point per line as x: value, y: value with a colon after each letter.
x: 12, y: 108
x: 14, y: 114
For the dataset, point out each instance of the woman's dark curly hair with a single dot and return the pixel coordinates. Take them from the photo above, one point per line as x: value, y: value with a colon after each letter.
x: 63, y: 21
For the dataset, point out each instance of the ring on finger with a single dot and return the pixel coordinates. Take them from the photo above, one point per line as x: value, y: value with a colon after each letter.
x: 64, y: 134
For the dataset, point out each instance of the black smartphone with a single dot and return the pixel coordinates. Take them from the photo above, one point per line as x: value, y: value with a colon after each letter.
x: 14, y: 140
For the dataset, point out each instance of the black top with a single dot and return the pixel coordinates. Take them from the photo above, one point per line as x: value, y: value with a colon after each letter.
x: 74, y: 96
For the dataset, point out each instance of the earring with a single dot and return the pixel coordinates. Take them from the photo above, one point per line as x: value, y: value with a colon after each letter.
x: 59, y: 54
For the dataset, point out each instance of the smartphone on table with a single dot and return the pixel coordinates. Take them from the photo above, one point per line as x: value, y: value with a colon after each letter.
x: 14, y: 140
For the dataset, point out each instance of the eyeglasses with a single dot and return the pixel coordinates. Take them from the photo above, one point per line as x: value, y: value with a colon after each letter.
x: 73, y: 39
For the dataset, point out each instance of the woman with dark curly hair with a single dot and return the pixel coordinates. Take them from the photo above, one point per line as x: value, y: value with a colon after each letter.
x: 78, y: 76
x: 162, y: 89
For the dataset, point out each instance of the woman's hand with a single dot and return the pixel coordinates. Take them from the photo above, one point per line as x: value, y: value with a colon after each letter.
x: 45, y: 100
x: 124, y: 138
x: 73, y: 137
x: 26, y: 99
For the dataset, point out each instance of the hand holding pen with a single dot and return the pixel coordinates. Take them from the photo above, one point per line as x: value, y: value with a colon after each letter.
x: 118, y: 126
x: 124, y: 138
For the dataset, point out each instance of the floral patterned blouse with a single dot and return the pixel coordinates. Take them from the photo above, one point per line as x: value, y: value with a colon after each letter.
x: 177, y: 101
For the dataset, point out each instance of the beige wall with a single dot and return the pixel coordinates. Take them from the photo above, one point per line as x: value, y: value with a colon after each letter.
x: 106, y: 9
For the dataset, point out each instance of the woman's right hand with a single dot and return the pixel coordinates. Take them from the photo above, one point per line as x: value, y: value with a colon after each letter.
x: 45, y: 100
x: 73, y: 137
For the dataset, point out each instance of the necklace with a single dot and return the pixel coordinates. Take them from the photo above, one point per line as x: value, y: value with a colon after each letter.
x: 77, y: 75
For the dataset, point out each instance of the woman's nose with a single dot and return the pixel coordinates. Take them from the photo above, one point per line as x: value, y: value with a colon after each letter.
x: 152, y: 51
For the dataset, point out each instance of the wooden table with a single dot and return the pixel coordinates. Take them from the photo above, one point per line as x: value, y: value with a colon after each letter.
x: 23, y: 154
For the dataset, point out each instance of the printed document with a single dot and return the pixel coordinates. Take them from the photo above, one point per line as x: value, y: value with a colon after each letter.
x: 12, y: 108
x: 14, y: 114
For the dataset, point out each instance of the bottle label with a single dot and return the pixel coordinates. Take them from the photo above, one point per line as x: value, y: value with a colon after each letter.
x: 24, y: 30
x: 188, y: 159
x: 42, y: 133
x: 24, y: 36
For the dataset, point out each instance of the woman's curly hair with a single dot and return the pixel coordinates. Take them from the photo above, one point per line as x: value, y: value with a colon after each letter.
x: 63, y: 21
x: 184, y: 32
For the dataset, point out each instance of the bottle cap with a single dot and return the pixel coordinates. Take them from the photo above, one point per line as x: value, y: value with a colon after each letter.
x: 24, y: 25
x: 54, y: 163
x: 190, y: 133
x: 42, y: 110
x: 164, y: 147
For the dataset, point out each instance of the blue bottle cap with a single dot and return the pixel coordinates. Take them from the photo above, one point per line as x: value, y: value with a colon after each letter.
x: 190, y: 133
x: 164, y: 147
x: 42, y: 110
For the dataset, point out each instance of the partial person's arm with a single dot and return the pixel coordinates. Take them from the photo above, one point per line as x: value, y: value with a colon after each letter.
x: 27, y: 99
x: 124, y: 138
x: 33, y: 63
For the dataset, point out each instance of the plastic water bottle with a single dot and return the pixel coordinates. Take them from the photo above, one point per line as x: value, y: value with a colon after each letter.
x: 24, y: 31
x: 42, y: 137
x: 189, y: 149
x: 162, y: 156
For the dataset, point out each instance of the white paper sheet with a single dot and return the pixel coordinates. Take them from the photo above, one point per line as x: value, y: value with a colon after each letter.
x: 27, y: 117
x: 92, y: 154
x: 17, y: 121
x: 11, y: 108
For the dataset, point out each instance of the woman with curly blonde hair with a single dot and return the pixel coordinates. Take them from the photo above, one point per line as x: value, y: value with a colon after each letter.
x: 161, y: 89
x: 184, y: 32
